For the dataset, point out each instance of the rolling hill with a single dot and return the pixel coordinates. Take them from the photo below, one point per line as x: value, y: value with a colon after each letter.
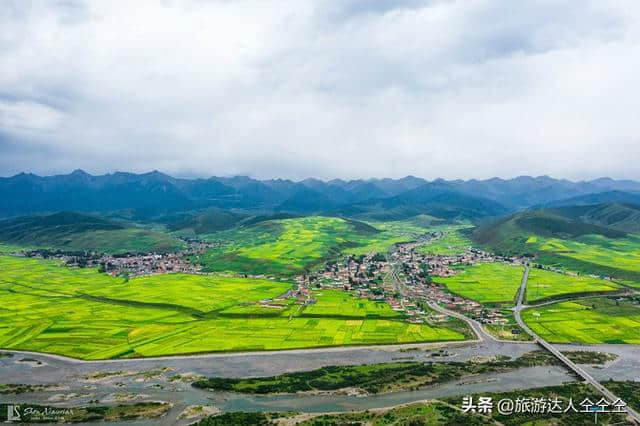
x: 589, y: 239
x: 71, y: 231
x: 619, y: 216
x: 286, y: 247
x: 510, y: 234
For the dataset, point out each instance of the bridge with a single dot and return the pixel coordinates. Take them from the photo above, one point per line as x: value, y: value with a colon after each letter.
x: 566, y: 361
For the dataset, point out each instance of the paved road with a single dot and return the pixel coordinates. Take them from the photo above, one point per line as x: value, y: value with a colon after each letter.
x: 477, y: 328
x: 475, y: 325
x: 570, y: 364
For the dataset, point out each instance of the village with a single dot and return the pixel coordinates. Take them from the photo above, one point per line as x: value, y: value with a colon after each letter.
x: 403, y: 278
x: 132, y: 265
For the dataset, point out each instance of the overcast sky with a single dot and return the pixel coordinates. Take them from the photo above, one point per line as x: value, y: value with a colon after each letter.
x: 321, y: 88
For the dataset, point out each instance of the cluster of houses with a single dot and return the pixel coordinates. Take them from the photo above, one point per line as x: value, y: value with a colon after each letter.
x: 131, y: 264
x: 371, y: 277
x: 148, y: 264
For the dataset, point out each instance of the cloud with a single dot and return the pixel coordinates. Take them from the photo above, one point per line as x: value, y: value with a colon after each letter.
x: 321, y: 88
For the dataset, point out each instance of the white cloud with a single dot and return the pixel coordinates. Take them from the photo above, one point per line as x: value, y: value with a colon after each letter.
x: 322, y: 88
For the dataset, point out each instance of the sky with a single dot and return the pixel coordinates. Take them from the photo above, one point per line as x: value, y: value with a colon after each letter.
x: 321, y: 88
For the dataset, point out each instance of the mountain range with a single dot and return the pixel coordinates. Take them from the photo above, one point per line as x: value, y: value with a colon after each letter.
x: 154, y: 194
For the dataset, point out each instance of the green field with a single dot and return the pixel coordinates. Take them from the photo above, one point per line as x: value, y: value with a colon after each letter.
x: 544, y: 284
x: 84, y: 314
x: 451, y: 243
x: 341, y: 303
x: 595, y: 254
x: 623, y: 253
x: 597, y: 320
x: 486, y: 282
x: 289, y: 246
x: 566, y: 242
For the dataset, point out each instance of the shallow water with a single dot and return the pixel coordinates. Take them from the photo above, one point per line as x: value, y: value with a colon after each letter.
x: 70, y: 374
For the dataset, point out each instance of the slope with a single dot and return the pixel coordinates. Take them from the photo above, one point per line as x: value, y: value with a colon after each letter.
x: 71, y: 231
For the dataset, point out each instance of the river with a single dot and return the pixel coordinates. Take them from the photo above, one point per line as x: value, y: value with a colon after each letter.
x: 73, y: 387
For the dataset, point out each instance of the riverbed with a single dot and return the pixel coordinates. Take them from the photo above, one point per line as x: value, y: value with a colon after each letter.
x: 156, y: 379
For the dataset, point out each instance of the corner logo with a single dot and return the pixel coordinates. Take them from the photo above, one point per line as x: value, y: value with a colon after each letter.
x: 13, y: 413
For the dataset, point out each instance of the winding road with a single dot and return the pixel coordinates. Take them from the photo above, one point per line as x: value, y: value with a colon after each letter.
x: 475, y: 325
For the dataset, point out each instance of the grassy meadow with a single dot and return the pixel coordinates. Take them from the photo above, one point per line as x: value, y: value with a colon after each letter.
x: 544, y: 284
x: 486, y: 282
x: 591, y: 254
x: 623, y: 253
x: 129, y: 240
x: 84, y: 314
x: 290, y: 246
x: 597, y: 320
x: 451, y: 243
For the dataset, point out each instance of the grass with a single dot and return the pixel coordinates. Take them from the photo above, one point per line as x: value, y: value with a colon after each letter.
x: 33, y: 413
x: 597, y: 320
x: 77, y: 232
x: 10, y: 248
x: 129, y: 240
x: 448, y: 411
x: 505, y: 331
x: 451, y: 243
x: 84, y: 314
x: 543, y: 284
x: 499, y: 283
x: 565, y: 243
x: 386, y: 377
x: 485, y: 283
x: 287, y: 247
x: 340, y: 303
x: 623, y: 253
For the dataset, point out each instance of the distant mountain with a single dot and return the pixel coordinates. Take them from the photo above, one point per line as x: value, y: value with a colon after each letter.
x: 435, y: 199
x: 154, y: 195
x: 306, y: 200
x: 598, y: 198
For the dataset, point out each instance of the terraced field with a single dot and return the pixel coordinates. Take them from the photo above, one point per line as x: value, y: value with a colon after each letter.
x: 486, y: 283
x: 597, y: 320
x: 82, y: 313
x: 544, y: 284
x: 289, y: 246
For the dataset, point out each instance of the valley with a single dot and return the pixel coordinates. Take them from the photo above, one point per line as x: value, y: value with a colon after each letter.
x: 420, y: 300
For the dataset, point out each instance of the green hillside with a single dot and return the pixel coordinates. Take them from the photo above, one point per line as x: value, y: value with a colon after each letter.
x: 289, y: 246
x: 512, y: 233
x: 78, y: 232
x: 553, y: 237
x: 622, y: 217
